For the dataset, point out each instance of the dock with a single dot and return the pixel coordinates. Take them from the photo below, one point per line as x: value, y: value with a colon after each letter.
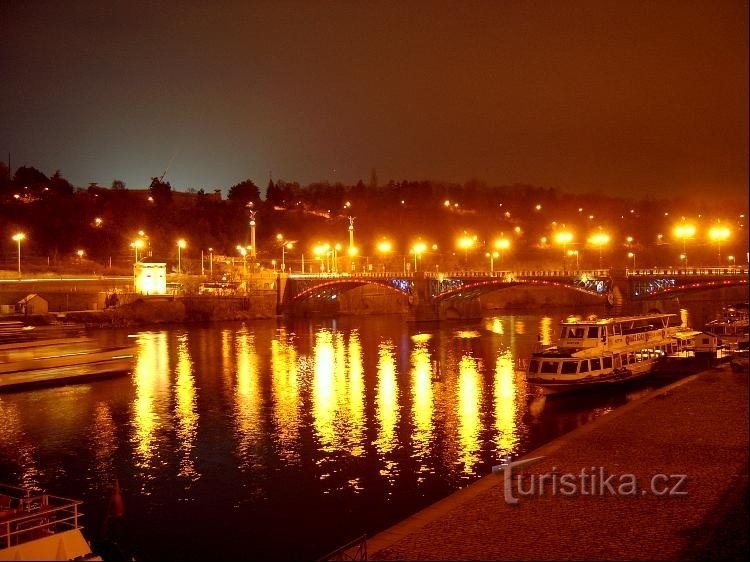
x: 697, y: 427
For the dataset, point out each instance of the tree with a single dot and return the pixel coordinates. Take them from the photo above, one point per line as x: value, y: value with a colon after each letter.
x: 244, y: 192
x: 118, y: 185
x: 59, y: 185
x: 28, y: 176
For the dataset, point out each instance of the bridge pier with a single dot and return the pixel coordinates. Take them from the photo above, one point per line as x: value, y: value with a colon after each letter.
x: 422, y: 306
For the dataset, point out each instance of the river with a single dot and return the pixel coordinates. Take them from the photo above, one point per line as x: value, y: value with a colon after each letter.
x: 285, y: 439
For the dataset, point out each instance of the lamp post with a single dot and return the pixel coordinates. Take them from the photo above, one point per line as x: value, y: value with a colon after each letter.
x: 683, y: 232
x: 418, y: 249
x: 730, y: 259
x: 502, y: 244
x: 719, y: 234
x: 211, y: 263
x: 353, y: 251
x: 18, y: 237
x: 466, y: 243
x: 80, y: 254
x: 384, y: 248
x: 136, y: 245
x: 632, y: 256
x: 599, y: 240
x: 492, y: 256
x: 576, y: 254
x: 563, y: 238
x: 180, y: 245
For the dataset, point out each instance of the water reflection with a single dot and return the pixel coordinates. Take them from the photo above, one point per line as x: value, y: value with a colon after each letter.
x: 185, y: 410
x: 469, y: 406
x: 507, y: 404
x: 150, y: 377
x: 387, y: 407
x: 285, y: 395
x: 247, y: 399
x: 422, y: 401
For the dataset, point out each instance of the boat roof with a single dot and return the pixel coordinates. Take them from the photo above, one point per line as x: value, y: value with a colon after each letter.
x: 616, y: 319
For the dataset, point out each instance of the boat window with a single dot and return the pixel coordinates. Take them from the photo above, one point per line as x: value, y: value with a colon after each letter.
x: 574, y: 332
x: 617, y: 329
x: 607, y: 362
x: 569, y: 367
x: 584, y: 366
x: 549, y: 366
x: 631, y: 358
x: 593, y: 332
x: 596, y: 364
x: 533, y: 366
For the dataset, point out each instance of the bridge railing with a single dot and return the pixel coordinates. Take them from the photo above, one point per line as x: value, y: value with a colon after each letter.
x: 578, y: 273
x: 689, y: 271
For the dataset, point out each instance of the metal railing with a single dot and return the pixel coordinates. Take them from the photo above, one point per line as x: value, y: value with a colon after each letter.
x: 689, y: 271
x: 28, y: 517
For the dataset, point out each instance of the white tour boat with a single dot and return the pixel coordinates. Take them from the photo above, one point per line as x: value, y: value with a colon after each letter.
x: 40, y: 527
x: 599, y: 352
x: 732, y: 327
x: 57, y: 358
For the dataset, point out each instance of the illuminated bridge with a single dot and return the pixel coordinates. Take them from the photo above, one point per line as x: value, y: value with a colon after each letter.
x: 427, y: 291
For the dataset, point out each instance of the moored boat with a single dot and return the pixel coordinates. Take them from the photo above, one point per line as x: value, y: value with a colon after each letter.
x: 36, y: 526
x: 28, y: 361
x: 596, y: 353
x: 732, y: 327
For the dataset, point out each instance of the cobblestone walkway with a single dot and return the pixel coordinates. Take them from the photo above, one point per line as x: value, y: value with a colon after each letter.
x: 698, y: 427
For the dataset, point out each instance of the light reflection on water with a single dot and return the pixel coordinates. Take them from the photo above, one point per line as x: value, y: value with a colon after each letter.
x: 264, y: 425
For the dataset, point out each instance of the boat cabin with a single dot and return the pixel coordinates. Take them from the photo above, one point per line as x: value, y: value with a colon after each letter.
x: 581, y: 334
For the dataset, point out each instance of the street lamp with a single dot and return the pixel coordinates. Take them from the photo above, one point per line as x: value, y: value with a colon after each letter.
x: 719, y: 234
x: 211, y: 262
x: 492, y: 256
x: 80, y: 254
x: 599, y: 240
x: 632, y: 256
x: 466, y: 243
x: 243, y: 253
x: 571, y: 253
x: 181, y: 244
x: 730, y: 259
x: 502, y: 244
x: 563, y: 238
x: 137, y: 244
x: 18, y: 237
x: 384, y: 247
x: 683, y: 232
x: 418, y: 249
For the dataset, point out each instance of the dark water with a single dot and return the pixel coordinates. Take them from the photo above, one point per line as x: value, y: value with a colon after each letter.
x: 280, y: 440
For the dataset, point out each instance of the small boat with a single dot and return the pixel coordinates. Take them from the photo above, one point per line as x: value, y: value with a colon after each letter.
x: 46, y: 357
x: 732, y: 327
x: 596, y: 353
x: 37, y: 526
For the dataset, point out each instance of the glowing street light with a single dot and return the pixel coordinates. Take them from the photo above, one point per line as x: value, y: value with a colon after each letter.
x: 683, y: 232
x: 137, y: 244
x: 466, y: 243
x: 571, y: 253
x: 492, y: 256
x: 683, y: 260
x: 18, y: 237
x: 80, y: 254
x: 98, y: 221
x: 632, y: 256
x: 730, y: 259
x: 385, y: 247
x: 502, y: 244
x: 181, y: 244
x: 599, y: 240
x: 418, y: 249
x: 719, y: 234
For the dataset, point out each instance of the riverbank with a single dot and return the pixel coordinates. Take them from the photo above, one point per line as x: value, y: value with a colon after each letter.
x: 696, y: 427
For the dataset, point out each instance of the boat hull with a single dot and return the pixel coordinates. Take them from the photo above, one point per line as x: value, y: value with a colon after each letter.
x: 75, y: 368
x: 552, y: 386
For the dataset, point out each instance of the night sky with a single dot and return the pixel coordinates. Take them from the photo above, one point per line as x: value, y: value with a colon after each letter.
x: 627, y: 96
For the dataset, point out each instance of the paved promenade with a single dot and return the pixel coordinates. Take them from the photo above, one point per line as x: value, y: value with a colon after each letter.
x: 697, y: 426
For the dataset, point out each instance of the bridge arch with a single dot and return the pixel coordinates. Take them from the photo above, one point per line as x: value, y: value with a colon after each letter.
x: 342, y: 285
x: 483, y: 287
